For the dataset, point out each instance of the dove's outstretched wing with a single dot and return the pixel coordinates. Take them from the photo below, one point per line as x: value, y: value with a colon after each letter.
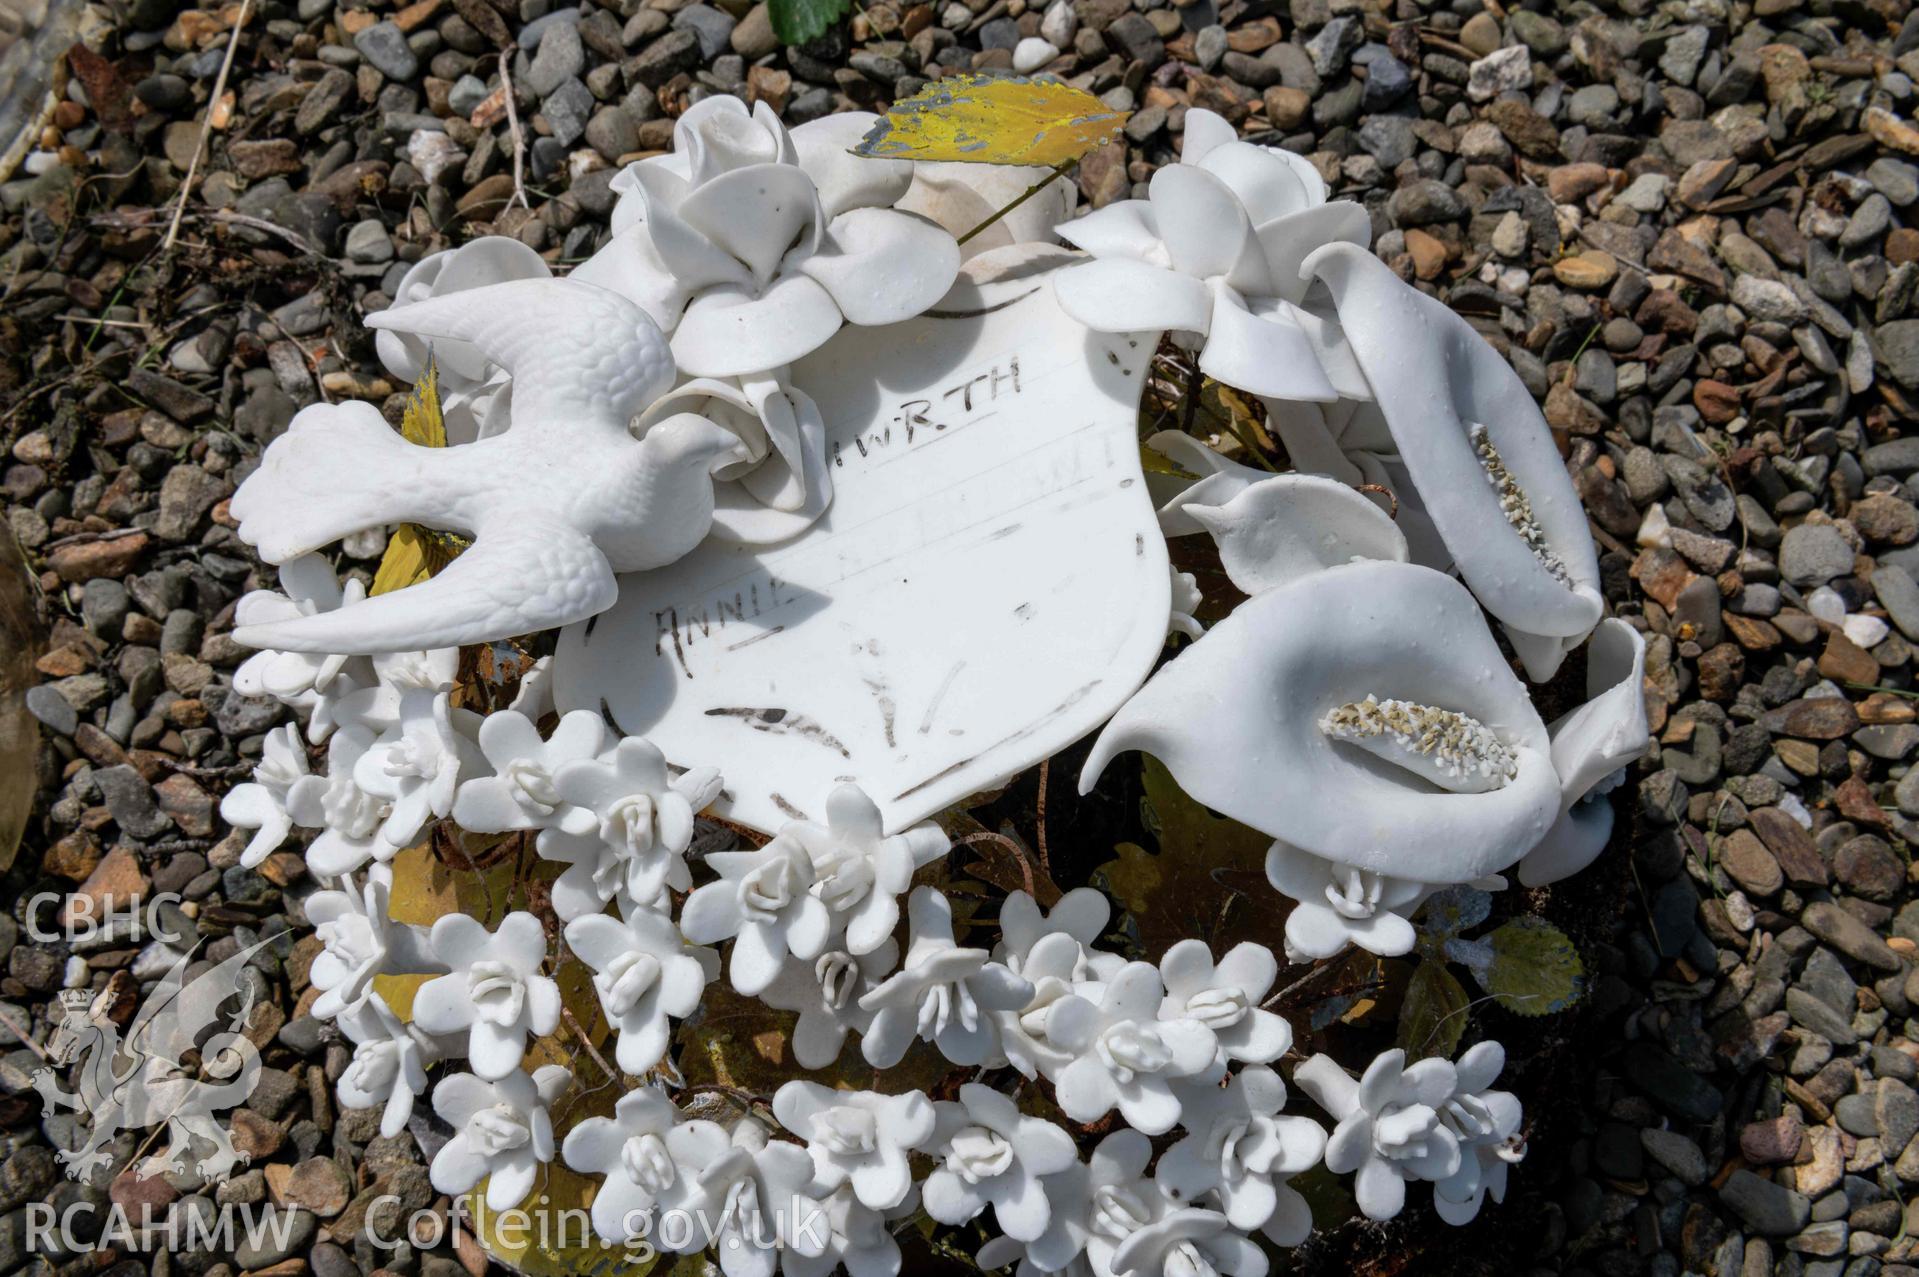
x: 179, y: 1011
x: 575, y: 351
x: 537, y: 573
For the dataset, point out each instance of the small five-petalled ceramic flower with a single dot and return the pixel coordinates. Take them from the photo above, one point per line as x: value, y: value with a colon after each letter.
x: 1226, y: 997
x: 860, y: 872
x: 1341, y: 905
x: 1124, y: 1054
x: 633, y: 1149
x: 520, y: 794
x: 765, y: 902
x: 944, y: 994
x: 858, y: 1137
x: 494, y: 992
x: 388, y: 1068
x: 826, y: 991
x: 994, y: 1155
x: 644, y: 972
x: 502, y: 1132
x: 361, y: 940
x: 1403, y: 1122
x: 260, y: 804
x: 642, y: 823
x: 1242, y: 1151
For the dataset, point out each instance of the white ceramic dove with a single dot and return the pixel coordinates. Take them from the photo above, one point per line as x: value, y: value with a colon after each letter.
x: 556, y: 505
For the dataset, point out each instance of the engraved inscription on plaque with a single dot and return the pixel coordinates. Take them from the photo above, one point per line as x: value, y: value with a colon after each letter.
x: 987, y: 586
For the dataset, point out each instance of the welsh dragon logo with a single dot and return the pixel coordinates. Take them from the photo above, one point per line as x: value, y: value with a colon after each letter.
x: 141, y: 1082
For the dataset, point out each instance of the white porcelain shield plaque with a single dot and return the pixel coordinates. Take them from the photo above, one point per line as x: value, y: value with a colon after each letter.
x: 987, y: 586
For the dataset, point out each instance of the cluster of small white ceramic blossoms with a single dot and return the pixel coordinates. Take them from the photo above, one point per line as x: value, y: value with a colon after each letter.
x: 1361, y: 713
x: 808, y: 922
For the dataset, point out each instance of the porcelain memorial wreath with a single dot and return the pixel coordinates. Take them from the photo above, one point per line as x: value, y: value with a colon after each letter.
x: 784, y: 526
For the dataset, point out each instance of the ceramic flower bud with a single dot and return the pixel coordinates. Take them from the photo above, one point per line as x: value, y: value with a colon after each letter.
x: 778, y: 482
x: 522, y: 792
x: 944, y: 994
x: 261, y: 803
x: 765, y: 903
x: 645, y: 976
x: 1590, y: 747
x: 502, y: 1132
x: 388, y: 1068
x: 1213, y: 255
x: 416, y: 764
x: 555, y: 506
x: 1125, y: 1056
x: 1226, y: 998
x: 858, y: 1137
x: 349, y: 819
x: 826, y: 991
x: 633, y: 1150
x: 1241, y: 1151
x: 474, y: 391
x: 634, y: 848
x: 757, y: 245
x: 994, y: 1155
x: 1057, y: 966
x: 1479, y: 452
x: 1361, y: 713
x: 858, y: 871
x: 494, y: 991
x: 362, y: 940
x: 308, y: 587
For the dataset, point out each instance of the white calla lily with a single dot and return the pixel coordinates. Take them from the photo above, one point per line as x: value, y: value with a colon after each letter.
x: 1361, y: 713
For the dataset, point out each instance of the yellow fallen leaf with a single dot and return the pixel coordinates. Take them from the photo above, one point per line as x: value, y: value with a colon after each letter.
x: 397, y: 992
x: 993, y: 120
x: 415, y: 553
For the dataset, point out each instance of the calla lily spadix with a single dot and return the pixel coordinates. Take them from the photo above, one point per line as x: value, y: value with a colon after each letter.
x: 1361, y: 713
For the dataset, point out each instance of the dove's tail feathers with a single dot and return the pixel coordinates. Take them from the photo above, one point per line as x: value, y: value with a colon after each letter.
x: 574, y: 350
x: 338, y: 469
x: 534, y: 574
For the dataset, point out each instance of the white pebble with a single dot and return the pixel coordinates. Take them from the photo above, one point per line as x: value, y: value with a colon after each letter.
x: 1866, y: 631
x: 1060, y: 24
x: 1826, y: 604
x: 1655, y: 530
x: 1032, y: 53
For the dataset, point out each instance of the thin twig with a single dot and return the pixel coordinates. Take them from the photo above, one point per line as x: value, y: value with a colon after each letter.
x: 12, y: 1026
x: 206, y: 125
x: 1019, y: 854
x: 1045, y: 861
x: 513, y: 131
x: 579, y: 1031
x: 230, y: 218
x: 1059, y: 170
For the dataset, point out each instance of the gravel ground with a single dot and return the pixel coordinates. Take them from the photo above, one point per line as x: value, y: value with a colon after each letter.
x: 1685, y: 221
